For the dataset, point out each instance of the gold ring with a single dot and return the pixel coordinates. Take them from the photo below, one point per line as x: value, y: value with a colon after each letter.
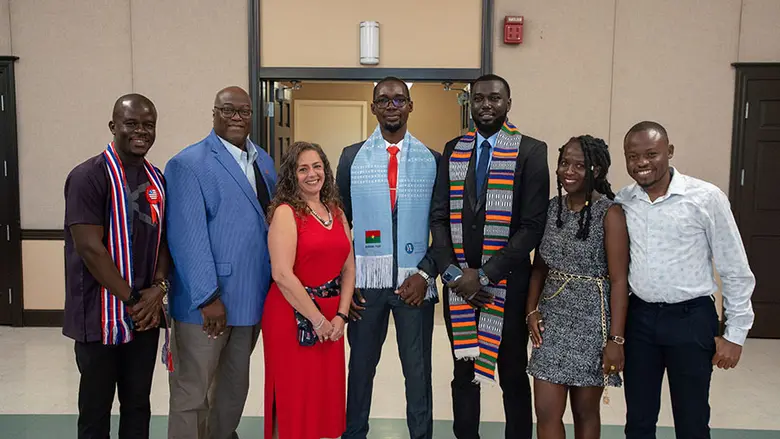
x: 612, y: 367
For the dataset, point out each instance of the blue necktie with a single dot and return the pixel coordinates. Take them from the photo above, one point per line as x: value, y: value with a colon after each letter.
x: 482, y: 166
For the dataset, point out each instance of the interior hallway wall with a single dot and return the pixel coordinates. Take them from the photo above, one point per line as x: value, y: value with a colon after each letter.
x: 412, y: 33
x: 599, y: 66
x: 434, y: 121
x: 5, y: 28
x: 75, y: 59
x: 585, y: 66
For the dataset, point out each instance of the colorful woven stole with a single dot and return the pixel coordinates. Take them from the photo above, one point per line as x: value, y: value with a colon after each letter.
x: 479, y: 341
x: 117, y: 326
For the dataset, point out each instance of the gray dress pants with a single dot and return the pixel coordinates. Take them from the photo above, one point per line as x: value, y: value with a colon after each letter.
x: 210, y: 381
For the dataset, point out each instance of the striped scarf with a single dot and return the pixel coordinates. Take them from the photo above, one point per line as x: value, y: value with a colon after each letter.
x: 117, y: 325
x: 479, y: 341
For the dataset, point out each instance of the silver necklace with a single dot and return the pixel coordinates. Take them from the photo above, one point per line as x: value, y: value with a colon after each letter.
x: 324, y: 223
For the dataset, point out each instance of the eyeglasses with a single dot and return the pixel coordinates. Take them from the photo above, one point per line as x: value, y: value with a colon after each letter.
x: 229, y: 112
x: 385, y: 102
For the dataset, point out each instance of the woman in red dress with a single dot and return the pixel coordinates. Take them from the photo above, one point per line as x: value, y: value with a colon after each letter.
x: 308, y: 304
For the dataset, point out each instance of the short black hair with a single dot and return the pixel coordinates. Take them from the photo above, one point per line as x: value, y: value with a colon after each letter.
x: 491, y: 77
x: 647, y: 125
x: 131, y: 99
x: 596, y: 152
x: 392, y: 79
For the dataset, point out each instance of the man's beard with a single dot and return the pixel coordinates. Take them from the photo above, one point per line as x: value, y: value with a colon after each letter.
x: 392, y: 127
x: 492, y: 127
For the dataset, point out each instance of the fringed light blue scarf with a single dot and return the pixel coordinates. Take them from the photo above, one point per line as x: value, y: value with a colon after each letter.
x: 373, y: 218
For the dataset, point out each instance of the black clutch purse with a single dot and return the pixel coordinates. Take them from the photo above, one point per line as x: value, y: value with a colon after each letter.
x: 306, y: 334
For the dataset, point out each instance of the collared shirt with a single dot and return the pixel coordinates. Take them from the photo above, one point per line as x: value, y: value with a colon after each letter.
x: 245, y: 160
x: 478, y: 146
x: 676, y: 239
x: 87, y: 201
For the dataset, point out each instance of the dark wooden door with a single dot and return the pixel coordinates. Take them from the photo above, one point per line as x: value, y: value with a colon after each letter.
x: 756, y: 197
x: 10, y: 232
x: 276, y: 124
x: 282, y: 121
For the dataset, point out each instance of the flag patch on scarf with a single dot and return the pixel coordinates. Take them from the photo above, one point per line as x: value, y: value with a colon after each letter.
x: 373, y: 237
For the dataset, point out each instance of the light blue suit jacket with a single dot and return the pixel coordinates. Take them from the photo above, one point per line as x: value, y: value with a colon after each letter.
x: 217, y: 233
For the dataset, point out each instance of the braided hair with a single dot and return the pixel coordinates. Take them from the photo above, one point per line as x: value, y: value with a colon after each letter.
x: 596, y: 154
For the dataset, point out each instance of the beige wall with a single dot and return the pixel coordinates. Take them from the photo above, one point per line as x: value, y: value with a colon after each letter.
x: 599, y: 66
x: 412, y: 33
x: 184, y: 51
x: 561, y: 74
x: 69, y: 76
x: 592, y: 66
x: 759, y: 38
x: 177, y: 52
x: 434, y: 121
x: 5, y: 28
x: 43, y: 274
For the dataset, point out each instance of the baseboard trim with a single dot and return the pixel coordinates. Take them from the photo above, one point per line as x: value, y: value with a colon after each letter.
x: 43, y: 234
x: 45, y: 318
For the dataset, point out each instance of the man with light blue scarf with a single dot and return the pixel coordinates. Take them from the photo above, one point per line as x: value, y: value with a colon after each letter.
x: 386, y: 184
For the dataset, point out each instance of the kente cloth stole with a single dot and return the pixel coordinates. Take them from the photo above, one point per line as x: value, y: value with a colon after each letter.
x: 479, y: 341
x: 117, y: 325
x: 372, y: 217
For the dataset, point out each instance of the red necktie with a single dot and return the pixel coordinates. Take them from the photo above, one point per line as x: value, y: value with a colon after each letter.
x: 392, y: 173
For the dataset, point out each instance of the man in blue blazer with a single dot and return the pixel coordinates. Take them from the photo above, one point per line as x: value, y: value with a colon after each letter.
x: 218, y: 192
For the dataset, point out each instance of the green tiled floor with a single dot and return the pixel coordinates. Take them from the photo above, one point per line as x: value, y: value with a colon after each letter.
x: 64, y: 427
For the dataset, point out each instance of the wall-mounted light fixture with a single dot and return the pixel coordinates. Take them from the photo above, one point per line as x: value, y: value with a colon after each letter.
x: 369, y: 43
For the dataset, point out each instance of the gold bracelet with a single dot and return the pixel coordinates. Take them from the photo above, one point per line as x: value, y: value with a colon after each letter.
x: 530, y: 314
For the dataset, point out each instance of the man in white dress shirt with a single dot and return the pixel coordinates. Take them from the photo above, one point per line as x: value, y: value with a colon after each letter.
x: 679, y: 227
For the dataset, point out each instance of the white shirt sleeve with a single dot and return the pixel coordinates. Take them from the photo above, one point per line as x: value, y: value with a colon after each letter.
x: 731, y: 263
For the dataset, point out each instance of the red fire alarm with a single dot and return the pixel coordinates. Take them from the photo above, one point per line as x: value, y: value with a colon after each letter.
x: 513, y: 30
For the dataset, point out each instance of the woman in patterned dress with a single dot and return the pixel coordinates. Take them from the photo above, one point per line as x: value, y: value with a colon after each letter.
x: 578, y: 294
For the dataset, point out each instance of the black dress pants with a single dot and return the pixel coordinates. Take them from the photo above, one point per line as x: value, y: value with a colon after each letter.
x: 515, y: 385
x: 678, y: 339
x: 129, y: 368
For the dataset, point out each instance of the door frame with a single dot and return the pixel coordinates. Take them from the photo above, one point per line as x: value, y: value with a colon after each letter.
x: 15, y: 260
x: 258, y: 74
x: 744, y: 73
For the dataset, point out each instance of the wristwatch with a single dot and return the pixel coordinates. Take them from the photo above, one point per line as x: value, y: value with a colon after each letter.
x: 483, y: 279
x: 425, y: 276
x: 618, y: 340
x: 135, y: 297
x: 164, y: 284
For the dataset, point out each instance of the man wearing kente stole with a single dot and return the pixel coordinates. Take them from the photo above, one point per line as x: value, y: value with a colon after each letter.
x: 117, y: 265
x: 488, y: 215
x: 386, y: 184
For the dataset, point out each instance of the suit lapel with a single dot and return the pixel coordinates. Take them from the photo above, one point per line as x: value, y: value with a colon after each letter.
x: 230, y: 165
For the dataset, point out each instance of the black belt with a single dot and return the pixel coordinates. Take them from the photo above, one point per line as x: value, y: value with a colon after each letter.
x: 699, y: 301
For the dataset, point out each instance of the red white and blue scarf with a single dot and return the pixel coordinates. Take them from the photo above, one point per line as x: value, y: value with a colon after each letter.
x: 117, y: 325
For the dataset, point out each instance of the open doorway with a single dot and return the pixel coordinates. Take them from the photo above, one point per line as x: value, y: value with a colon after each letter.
x: 336, y: 114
